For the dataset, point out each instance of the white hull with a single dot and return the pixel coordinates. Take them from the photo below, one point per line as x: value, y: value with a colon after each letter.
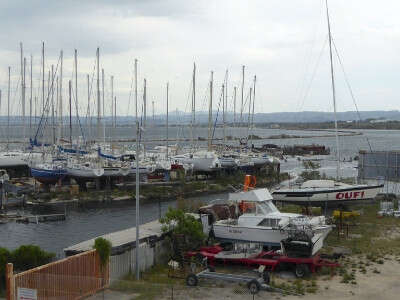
x: 268, y: 236
x: 321, y: 196
x: 84, y: 173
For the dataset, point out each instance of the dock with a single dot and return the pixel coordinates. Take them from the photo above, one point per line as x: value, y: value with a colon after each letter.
x: 40, y: 218
x: 122, y: 240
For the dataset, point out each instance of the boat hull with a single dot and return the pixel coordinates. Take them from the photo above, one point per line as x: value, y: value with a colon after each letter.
x: 322, y: 197
x: 48, y: 176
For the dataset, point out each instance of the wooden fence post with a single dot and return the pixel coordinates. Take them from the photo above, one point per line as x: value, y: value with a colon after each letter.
x: 10, y: 282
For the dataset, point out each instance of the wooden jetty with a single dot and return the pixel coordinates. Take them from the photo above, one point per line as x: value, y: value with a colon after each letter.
x: 41, y: 218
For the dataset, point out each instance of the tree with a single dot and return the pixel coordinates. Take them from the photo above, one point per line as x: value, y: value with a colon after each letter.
x: 5, y: 257
x: 103, y: 248
x: 30, y: 256
x: 183, y: 227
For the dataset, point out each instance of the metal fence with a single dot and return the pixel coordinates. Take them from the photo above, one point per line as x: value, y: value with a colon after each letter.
x: 379, y: 165
x: 123, y: 264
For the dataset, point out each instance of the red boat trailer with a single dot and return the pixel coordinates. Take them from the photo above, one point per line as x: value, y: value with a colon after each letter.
x: 272, y: 260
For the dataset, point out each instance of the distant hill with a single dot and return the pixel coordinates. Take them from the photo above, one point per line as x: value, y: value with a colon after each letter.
x: 277, y: 117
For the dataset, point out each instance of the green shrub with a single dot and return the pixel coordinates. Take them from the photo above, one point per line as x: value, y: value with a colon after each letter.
x: 103, y: 248
x: 30, y: 256
x: 5, y: 257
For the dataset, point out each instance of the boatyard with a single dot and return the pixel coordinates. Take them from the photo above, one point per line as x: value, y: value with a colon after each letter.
x: 165, y: 150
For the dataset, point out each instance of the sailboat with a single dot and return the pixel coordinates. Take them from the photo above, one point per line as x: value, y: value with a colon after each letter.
x: 328, y: 192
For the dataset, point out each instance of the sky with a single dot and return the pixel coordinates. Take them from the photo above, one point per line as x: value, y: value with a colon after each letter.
x: 282, y: 42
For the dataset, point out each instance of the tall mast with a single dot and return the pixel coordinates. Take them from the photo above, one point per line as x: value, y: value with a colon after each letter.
x: 8, y: 108
x: 24, y: 100
x: 52, y: 105
x: 102, y: 96
x: 76, y: 84
x: 98, y: 93
x: 112, y: 103
x: 333, y: 93
x: 88, y: 108
x: 223, y: 112
x: 61, y: 95
x: 249, y: 115
x: 70, y: 112
x: 166, y: 155
x: 30, y: 98
x: 210, y: 112
x: 252, y: 114
x: 43, y: 107
x: 234, y: 106
x: 22, y: 89
x: 241, y: 105
x: 193, y: 102
x: 153, y: 112
x: 57, y: 101
x: 137, y: 179
x: 144, y: 103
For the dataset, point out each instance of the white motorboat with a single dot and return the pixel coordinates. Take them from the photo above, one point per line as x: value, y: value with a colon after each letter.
x: 326, y: 193
x: 257, y: 220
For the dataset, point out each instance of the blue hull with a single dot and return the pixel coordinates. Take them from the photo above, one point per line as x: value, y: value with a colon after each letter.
x: 48, y: 176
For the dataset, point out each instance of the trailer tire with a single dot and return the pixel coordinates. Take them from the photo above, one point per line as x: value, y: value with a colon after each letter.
x: 191, y: 280
x: 302, y: 271
x: 254, y: 286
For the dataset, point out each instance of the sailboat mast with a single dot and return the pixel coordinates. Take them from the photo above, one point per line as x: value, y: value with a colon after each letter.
x: 166, y: 153
x: 153, y: 111
x: 8, y: 108
x: 76, y: 85
x: 52, y: 105
x: 234, y: 106
x: 43, y: 107
x: 144, y: 103
x: 249, y: 115
x: 210, y: 112
x: 88, y: 108
x: 252, y: 114
x: 102, y: 96
x: 333, y: 93
x: 30, y: 98
x: 61, y: 95
x: 98, y: 93
x: 24, y: 101
x: 112, y: 103
x: 22, y: 89
x: 137, y: 179
x: 241, y: 105
x: 223, y: 112
x: 70, y: 112
x: 193, y: 102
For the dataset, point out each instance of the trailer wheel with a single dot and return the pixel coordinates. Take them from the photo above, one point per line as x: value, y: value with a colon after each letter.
x: 302, y: 270
x: 191, y: 280
x: 253, y: 286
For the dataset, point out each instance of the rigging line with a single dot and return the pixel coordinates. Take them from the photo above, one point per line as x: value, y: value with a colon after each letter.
x: 307, y: 56
x: 313, y: 74
x: 349, y: 87
x: 216, y: 118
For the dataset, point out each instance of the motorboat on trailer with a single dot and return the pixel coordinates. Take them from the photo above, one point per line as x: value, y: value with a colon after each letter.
x: 326, y: 193
x: 253, y: 218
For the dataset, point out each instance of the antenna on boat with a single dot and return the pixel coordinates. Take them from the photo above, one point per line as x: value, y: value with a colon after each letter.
x: 333, y: 92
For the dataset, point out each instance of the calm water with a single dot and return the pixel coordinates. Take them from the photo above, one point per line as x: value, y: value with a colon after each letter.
x: 87, y: 223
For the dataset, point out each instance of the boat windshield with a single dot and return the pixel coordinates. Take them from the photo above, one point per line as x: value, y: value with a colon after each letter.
x: 266, y: 207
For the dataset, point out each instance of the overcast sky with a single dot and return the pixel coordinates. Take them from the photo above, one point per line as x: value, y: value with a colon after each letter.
x: 283, y: 42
